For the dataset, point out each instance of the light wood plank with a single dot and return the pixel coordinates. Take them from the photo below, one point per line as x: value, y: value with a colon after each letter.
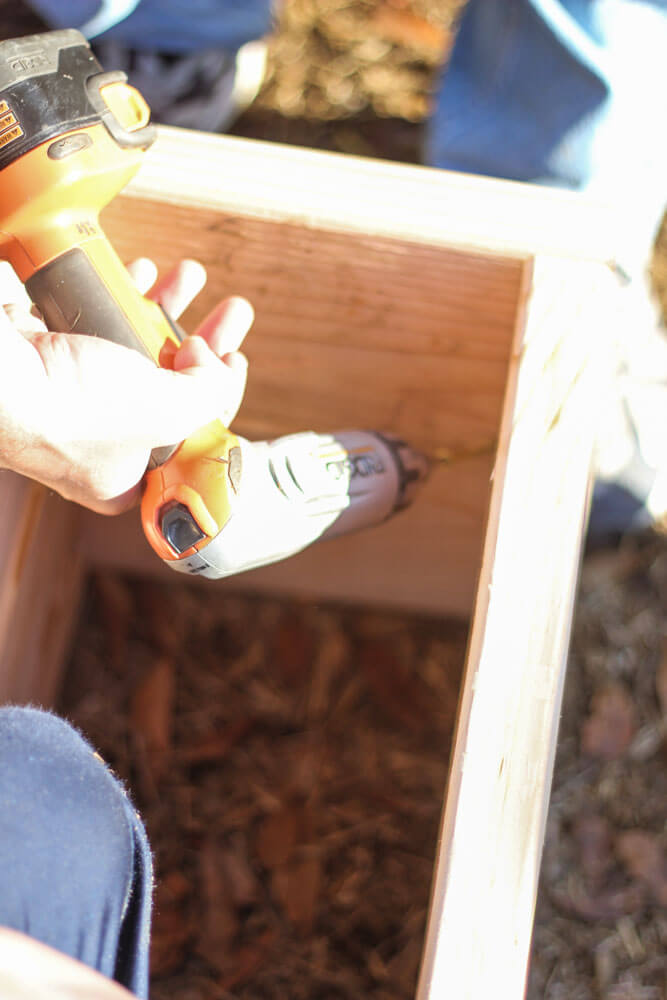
x: 493, y: 825
x: 425, y: 559
x: 350, y: 331
x: 41, y: 575
x: 342, y: 193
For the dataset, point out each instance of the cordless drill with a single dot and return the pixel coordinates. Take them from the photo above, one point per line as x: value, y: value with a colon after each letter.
x: 71, y: 137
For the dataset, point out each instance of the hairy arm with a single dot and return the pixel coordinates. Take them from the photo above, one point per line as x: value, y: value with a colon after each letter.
x: 82, y: 415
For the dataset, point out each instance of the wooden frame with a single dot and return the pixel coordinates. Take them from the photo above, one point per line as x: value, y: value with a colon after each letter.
x: 462, y: 313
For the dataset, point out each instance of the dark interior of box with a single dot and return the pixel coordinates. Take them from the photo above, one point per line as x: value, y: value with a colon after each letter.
x: 289, y: 759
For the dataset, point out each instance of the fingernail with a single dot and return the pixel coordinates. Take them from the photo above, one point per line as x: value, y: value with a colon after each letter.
x: 236, y: 361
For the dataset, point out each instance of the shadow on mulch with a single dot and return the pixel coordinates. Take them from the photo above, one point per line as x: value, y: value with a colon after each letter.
x: 359, y: 135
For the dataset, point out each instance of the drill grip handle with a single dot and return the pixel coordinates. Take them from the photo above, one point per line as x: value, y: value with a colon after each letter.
x: 190, y: 488
x: 72, y: 297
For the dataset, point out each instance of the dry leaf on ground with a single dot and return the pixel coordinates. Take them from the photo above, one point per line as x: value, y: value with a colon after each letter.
x: 643, y: 855
x: 661, y: 681
x: 296, y: 886
x: 593, y: 838
x: 277, y: 837
x: 219, y: 920
x: 151, y: 714
x: 403, y: 27
x: 609, y: 729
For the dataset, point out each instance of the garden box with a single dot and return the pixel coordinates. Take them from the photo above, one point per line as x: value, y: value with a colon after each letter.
x: 464, y: 314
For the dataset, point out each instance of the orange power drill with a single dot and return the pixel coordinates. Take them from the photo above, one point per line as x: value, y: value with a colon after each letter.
x: 71, y: 137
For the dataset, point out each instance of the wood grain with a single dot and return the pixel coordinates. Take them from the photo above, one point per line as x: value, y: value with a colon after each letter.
x: 342, y: 193
x: 493, y: 825
x: 425, y: 559
x: 41, y: 575
x: 368, y: 315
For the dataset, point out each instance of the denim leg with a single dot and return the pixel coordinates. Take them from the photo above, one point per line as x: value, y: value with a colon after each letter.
x: 514, y: 87
x: 65, y: 13
x: 562, y: 92
x: 170, y: 25
x: 76, y: 869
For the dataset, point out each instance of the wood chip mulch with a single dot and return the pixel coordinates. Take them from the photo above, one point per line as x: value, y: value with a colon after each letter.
x: 289, y: 760
x: 601, y: 927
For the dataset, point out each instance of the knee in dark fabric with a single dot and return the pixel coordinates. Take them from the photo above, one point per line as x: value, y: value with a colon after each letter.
x: 66, y: 841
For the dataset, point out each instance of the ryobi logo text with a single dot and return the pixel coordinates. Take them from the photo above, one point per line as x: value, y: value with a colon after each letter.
x: 367, y: 463
x: 10, y: 128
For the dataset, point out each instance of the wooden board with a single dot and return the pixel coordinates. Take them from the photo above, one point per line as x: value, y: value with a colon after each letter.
x: 366, y: 317
x: 241, y: 179
x: 413, y: 562
x: 41, y: 573
x: 490, y: 847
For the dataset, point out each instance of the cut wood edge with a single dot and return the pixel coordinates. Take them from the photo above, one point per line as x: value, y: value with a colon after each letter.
x: 342, y: 192
x: 489, y: 852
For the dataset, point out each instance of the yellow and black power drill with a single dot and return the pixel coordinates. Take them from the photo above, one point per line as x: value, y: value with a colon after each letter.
x: 71, y: 137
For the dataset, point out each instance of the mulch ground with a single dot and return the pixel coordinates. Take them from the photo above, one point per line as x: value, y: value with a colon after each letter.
x: 289, y: 758
x: 601, y: 927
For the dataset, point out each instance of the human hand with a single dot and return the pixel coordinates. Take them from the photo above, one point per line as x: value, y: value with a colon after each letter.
x: 30, y: 970
x: 82, y: 415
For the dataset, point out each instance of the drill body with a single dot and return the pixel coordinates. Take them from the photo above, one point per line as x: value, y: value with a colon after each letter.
x: 292, y: 492
x: 71, y: 137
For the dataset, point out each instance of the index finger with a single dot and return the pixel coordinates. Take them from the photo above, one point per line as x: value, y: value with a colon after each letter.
x: 179, y: 287
x: 226, y: 327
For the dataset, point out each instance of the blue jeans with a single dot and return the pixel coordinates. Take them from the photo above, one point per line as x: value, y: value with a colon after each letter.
x: 166, y: 25
x: 563, y: 92
x: 76, y: 869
